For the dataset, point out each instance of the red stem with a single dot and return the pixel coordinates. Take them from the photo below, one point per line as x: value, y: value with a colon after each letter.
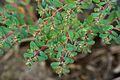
x: 7, y: 35
x: 41, y: 49
x: 56, y: 11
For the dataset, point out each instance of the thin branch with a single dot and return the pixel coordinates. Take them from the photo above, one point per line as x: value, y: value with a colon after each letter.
x: 41, y: 49
x: 7, y: 35
x: 28, y: 39
x: 116, y: 29
x: 56, y: 11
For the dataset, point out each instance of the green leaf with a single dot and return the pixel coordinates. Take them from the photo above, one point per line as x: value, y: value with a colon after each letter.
x: 114, y: 34
x: 33, y: 46
x: 58, y: 16
x: 42, y: 56
x: 111, y: 17
x: 29, y: 20
x: 70, y: 5
x: 71, y: 47
x: 71, y: 34
x: 63, y: 38
x: 57, y: 3
x: 39, y: 43
x: 11, y: 21
x: 117, y: 40
x: 23, y: 33
x: 102, y: 3
x: 72, y: 54
x: 66, y: 71
x: 118, y: 12
x: 108, y: 27
x: 81, y: 42
x: 97, y: 29
x: 103, y: 35
x: 7, y: 43
x: 28, y: 55
x: 59, y: 54
x: 43, y: 4
x: 51, y: 52
x: 69, y: 1
x: 89, y: 19
x: 105, y: 22
x: 106, y: 41
x: 10, y: 7
x: 68, y: 60
x: 85, y: 5
x: 96, y: 1
x: 59, y: 48
x: 95, y: 15
x: 4, y: 30
x: 91, y: 42
x: 1, y: 10
x: 21, y: 19
x: 55, y: 64
x: 42, y: 53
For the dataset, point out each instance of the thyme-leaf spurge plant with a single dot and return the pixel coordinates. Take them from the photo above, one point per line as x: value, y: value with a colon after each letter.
x: 65, y: 29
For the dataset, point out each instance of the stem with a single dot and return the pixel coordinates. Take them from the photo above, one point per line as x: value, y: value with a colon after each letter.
x: 7, y: 35
x: 41, y: 49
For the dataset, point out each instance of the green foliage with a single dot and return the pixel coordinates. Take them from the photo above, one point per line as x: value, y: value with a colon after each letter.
x: 59, y: 34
